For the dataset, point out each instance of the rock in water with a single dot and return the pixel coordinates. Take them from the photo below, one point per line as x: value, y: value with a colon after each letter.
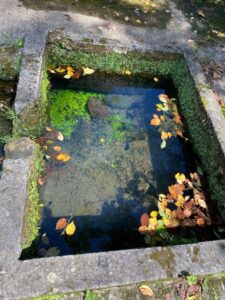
x: 123, y: 101
x: 97, y: 108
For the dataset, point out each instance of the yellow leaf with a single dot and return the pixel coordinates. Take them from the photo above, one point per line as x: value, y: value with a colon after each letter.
x: 60, y: 70
x: 63, y: 157
x: 163, y: 98
x: 87, y: 71
x: 154, y: 214
x: 60, y: 136
x: 155, y: 79
x: 70, y: 228
x: 102, y: 140
x: 127, y: 72
x: 146, y: 290
x: 49, y: 142
x: 67, y: 76
x: 180, y: 201
x: 153, y: 221
x: 180, y: 177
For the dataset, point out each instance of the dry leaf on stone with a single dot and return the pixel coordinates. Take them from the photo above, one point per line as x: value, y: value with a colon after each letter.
x: 146, y: 290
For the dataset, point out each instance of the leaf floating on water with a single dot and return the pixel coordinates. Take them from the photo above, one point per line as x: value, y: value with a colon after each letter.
x: 144, y: 220
x: 155, y: 79
x: 45, y: 239
x: 57, y: 148
x: 180, y: 177
x: 163, y: 98
x: 87, y: 71
x: 200, y: 222
x: 163, y: 144
x: 146, y: 290
x: 49, y: 129
x: 143, y: 229
x: 127, y: 72
x: 155, y: 121
x: 60, y: 136
x: 70, y: 229
x: 41, y: 181
x: 61, y: 224
x: 66, y: 76
x: 53, y: 251
x: 64, y: 157
x: 202, y: 203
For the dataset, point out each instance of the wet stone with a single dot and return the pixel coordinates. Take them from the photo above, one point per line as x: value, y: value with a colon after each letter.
x: 97, y: 108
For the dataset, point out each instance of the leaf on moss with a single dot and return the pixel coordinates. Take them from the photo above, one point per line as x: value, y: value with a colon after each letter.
x: 146, y: 290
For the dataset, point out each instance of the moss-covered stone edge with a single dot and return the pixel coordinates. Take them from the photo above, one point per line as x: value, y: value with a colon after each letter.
x: 32, y: 212
x: 202, y: 134
x: 35, y: 116
x: 160, y: 288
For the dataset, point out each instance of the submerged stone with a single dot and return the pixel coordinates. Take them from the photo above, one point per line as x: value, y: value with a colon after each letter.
x: 97, y: 108
x: 123, y: 101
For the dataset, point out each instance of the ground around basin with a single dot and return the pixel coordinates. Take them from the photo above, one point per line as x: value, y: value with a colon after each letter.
x: 198, y: 25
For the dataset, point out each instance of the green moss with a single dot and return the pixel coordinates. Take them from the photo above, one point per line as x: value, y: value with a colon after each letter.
x: 66, y: 107
x: 32, y: 210
x: 35, y: 116
x: 223, y: 111
x: 98, y: 58
x: 202, y: 135
x: 121, y: 129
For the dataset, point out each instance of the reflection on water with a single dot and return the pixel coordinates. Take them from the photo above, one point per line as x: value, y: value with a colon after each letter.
x: 116, y: 169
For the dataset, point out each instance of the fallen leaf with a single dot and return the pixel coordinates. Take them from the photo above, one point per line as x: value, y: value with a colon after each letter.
x: 57, y: 148
x: 66, y: 76
x: 45, y: 239
x: 156, y: 79
x: 127, y: 72
x: 154, y: 214
x: 126, y: 19
x: 41, y: 180
x: 200, y: 222
x: 180, y: 177
x: 70, y: 228
x: 63, y: 157
x: 155, y: 121
x: 61, y: 224
x: 53, y: 251
x: 202, y: 203
x: 146, y: 290
x: 153, y: 221
x: 143, y: 230
x: 163, y: 144
x: 87, y: 71
x: 60, y: 136
x: 163, y: 98
x: 49, y: 129
x: 187, y: 213
x: 145, y: 220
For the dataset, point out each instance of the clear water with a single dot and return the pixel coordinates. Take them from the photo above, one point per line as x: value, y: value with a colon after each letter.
x: 108, y: 183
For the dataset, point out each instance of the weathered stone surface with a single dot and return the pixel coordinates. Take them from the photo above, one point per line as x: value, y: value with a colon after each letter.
x: 28, y: 89
x: 97, y: 108
x: 20, y: 148
x: 122, y: 101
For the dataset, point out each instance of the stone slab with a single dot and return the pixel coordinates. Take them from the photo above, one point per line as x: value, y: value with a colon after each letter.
x: 32, y: 278
x: 28, y: 88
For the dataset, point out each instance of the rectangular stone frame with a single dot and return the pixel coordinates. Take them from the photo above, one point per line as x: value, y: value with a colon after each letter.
x: 35, y: 277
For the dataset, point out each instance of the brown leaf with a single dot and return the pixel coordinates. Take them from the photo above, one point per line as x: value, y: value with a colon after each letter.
x: 143, y: 230
x: 144, y: 220
x: 200, y: 222
x: 146, y: 290
x: 187, y: 213
x: 61, y: 224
